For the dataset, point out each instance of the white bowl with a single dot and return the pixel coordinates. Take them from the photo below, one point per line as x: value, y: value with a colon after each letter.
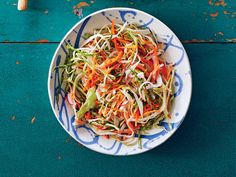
x: 174, y: 52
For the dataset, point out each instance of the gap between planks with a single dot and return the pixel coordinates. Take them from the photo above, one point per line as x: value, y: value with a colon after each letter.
x: 183, y: 42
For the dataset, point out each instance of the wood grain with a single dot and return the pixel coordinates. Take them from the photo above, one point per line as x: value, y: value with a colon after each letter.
x: 32, y: 142
x: 204, y: 145
x: 50, y: 20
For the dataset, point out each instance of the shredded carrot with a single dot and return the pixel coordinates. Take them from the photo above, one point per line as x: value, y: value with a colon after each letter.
x: 119, y: 80
x: 117, y: 46
x: 87, y: 115
x: 131, y: 126
x: 101, y: 77
x: 113, y: 27
x: 79, y: 122
x: 147, y: 42
x: 103, y: 55
x: 112, y: 61
x: 106, y: 136
x: 148, y: 62
x: 149, y: 112
x: 123, y: 40
x: 132, y: 46
x: 136, y: 117
x: 139, y: 66
x: 125, y: 131
x: 155, y: 64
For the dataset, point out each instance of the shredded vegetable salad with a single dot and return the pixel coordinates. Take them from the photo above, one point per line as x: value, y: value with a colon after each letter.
x: 118, y: 83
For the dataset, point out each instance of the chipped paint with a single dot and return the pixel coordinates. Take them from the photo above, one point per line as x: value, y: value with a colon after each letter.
x: 17, y: 62
x: 217, y: 3
x: 220, y: 33
x: 226, y: 12
x: 210, y: 2
x: 232, y: 14
x: 42, y: 41
x: 78, y: 12
x: 214, y: 14
x: 82, y: 4
x: 195, y: 41
x: 33, y: 120
x: 231, y: 40
x: 78, y: 9
x: 220, y: 3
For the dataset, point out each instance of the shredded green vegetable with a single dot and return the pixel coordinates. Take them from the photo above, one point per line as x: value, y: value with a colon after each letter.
x: 118, y: 83
x: 88, y: 104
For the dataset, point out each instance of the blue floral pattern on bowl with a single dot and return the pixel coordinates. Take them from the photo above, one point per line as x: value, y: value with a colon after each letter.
x: 174, y: 52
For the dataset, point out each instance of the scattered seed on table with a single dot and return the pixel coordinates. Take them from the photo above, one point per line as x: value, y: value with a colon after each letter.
x: 33, y: 120
x: 13, y: 118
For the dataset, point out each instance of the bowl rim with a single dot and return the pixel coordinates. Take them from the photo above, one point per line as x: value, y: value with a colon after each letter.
x: 69, y: 32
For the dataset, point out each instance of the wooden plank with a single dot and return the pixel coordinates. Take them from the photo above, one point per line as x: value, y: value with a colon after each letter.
x: 205, y: 145
x: 192, y: 21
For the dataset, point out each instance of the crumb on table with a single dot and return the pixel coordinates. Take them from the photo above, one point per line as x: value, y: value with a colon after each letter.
x: 13, y: 118
x: 33, y: 120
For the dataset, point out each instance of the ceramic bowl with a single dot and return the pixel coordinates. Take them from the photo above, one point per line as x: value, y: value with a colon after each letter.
x: 174, y: 52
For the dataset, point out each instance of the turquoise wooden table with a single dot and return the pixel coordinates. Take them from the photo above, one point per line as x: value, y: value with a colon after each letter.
x: 32, y: 142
